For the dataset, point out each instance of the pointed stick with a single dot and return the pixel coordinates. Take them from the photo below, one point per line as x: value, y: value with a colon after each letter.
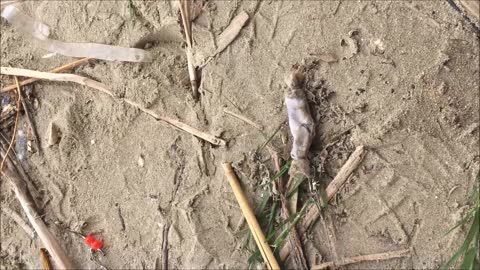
x: 187, y: 26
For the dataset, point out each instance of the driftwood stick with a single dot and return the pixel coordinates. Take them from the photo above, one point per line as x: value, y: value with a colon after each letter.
x: 247, y: 211
x: 55, y: 70
x: 364, y: 258
x: 26, y: 201
x: 106, y: 90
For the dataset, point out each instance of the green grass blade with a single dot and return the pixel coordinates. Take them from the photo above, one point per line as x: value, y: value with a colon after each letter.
x: 272, y: 216
x: 279, y: 174
x: 469, y: 259
x: 281, y: 237
x: 464, y: 220
x: 471, y: 235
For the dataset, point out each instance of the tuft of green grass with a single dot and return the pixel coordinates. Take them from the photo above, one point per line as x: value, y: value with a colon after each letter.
x: 277, y: 235
x: 266, y: 211
x: 470, y: 247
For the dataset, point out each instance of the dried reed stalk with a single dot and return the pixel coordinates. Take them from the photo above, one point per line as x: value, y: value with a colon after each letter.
x: 106, y: 90
x: 293, y: 237
x: 55, y: 70
x: 347, y: 169
x: 26, y: 201
x: 364, y: 258
x: 184, y: 6
x: 247, y: 211
x: 15, y: 128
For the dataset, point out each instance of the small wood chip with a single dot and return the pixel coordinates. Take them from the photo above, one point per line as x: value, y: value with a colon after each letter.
x: 53, y: 134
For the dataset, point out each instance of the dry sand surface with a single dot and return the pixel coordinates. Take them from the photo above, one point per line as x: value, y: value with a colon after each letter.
x: 405, y: 83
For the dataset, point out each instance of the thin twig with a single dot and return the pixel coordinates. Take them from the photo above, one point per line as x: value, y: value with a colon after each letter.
x: 166, y: 228
x: 16, y: 124
x: 19, y: 220
x: 26, y: 201
x: 187, y: 26
x: 26, y: 109
x: 55, y: 70
x: 244, y: 119
x: 106, y: 90
x: 247, y: 211
x: 273, y: 134
x: 364, y: 258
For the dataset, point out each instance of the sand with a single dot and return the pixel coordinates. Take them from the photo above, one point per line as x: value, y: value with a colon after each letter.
x: 405, y: 85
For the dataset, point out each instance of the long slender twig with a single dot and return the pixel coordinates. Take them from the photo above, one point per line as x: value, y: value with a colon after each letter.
x: 106, y: 90
x: 166, y: 228
x: 16, y: 124
x: 55, y: 70
x: 19, y: 220
x: 31, y: 123
x: 244, y: 119
x: 347, y: 169
x: 187, y: 26
x: 26, y: 201
x: 364, y: 258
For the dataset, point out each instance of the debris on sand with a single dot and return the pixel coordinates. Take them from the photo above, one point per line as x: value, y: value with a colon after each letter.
x: 301, y: 125
x: 53, y: 134
x: 40, y: 33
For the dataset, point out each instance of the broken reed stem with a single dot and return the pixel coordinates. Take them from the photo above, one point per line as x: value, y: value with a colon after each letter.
x: 347, y: 169
x: 16, y: 124
x: 313, y: 213
x: 293, y: 237
x: 55, y: 70
x: 187, y: 26
x: 26, y: 201
x: 244, y: 119
x: 247, y: 211
x: 105, y: 89
x: 31, y: 123
x: 166, y: 228
x: 364, y: 258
